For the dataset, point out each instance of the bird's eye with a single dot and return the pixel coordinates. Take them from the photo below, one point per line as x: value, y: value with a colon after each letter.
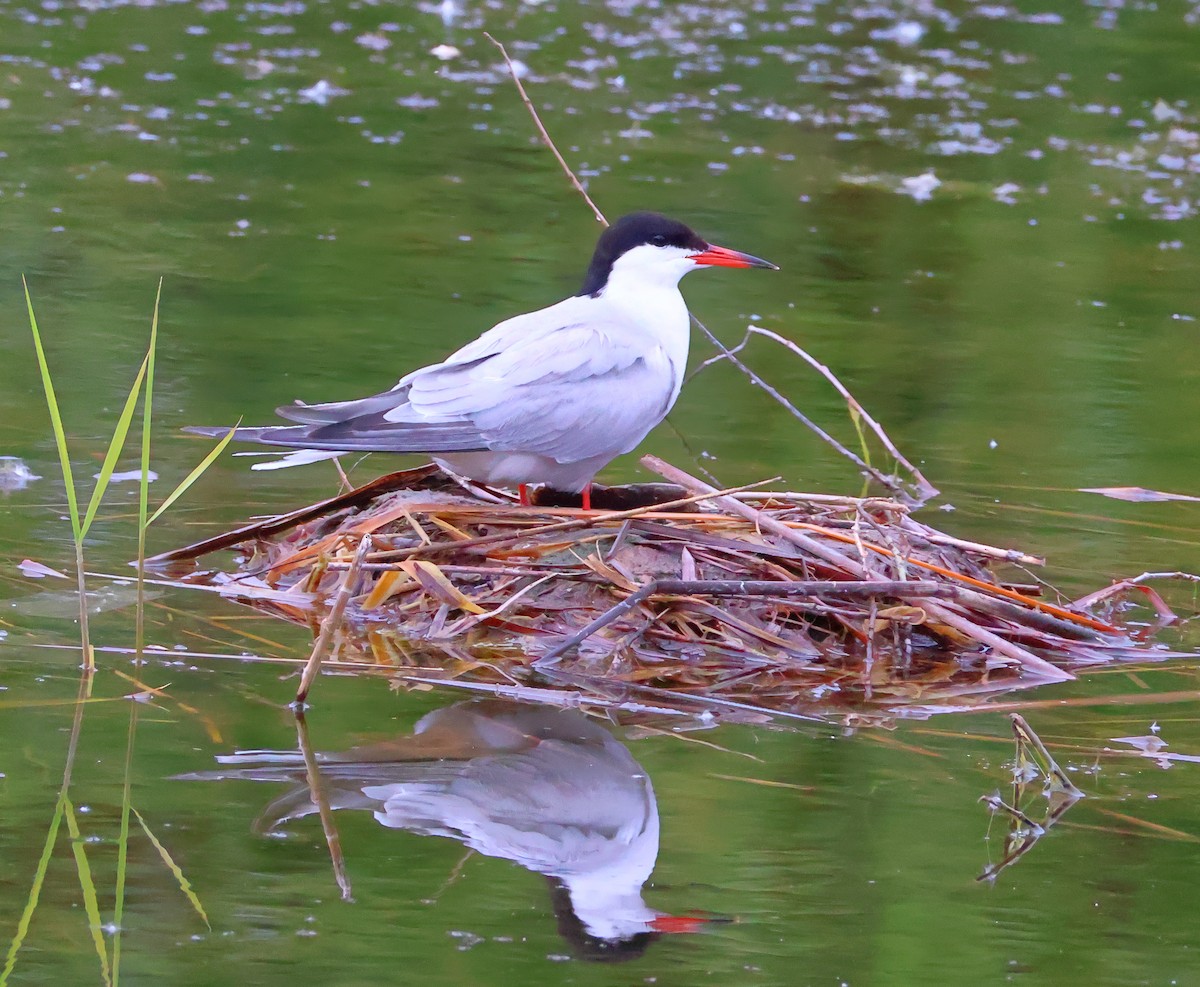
x: 659, y: 240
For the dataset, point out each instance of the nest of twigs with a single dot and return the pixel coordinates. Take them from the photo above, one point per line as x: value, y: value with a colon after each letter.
x: 772, y: 600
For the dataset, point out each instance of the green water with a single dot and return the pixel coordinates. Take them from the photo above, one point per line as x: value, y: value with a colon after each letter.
x: 1027, y: 331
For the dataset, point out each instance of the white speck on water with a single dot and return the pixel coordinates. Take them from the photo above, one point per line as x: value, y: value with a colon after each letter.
x: 1004, y: 193
x: 320, y: 93
x: 373, y: 42
x: 417, y: 102
x: 466, y: 940
x: 920, y: 187
x: 902, y: 32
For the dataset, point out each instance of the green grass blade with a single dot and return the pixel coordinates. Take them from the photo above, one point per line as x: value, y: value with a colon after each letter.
x: 139, y: 640
x: 194, y: 475
x: 91, y: 904
x: 35, y: 891
x: 123, y: 844
x: 115, y: 445
x: 60, y: 435
x: 184, y: 884
x: 144, y: 481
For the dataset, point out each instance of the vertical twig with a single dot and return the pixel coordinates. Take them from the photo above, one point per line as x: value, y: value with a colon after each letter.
x: 537, y: 121
x: 332, y: 621
x: 316, y: 792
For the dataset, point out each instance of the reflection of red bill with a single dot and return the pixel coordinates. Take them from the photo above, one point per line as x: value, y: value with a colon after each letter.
x: 685, y: 923
x: 724, y: 257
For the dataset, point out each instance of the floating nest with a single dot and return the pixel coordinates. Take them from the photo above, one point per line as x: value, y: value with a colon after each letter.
x: 673, y: 595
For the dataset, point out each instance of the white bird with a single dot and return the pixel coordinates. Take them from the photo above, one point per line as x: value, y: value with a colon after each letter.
x: 549, y: 397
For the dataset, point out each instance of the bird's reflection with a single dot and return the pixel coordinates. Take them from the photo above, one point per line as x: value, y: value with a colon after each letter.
x: 545, y: 788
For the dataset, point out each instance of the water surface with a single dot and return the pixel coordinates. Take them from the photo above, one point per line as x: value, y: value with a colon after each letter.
x: 983, y: 215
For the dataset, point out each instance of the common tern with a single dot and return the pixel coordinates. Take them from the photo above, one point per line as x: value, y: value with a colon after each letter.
x: 549, y: 397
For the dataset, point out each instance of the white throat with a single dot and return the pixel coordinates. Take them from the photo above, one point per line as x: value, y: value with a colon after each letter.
x: 643, y: 291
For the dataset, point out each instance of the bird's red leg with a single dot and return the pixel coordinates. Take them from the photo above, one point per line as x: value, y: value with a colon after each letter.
x: 523, y: 494
x: 587, y: 497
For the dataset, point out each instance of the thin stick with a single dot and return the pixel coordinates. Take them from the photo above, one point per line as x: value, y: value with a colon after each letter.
x: 764, y: 521
x: 332, y: 621
x: 926, y: 487
x: 742, y: 588
x: 1024, y: 733
x: 1026, y: 659
x: 725, y: 353
x: 512, y: 70
x: 977, y: 548
x: 546, y: 697
x: 1089, y: 601
x: 833, y: 500
x: 316, y: 792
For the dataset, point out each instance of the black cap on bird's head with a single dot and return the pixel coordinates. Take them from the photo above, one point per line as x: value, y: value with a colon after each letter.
x: 649, y: 229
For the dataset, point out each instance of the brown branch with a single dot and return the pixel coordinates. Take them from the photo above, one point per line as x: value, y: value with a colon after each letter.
x: 332, y: 621
x: 512, y: 70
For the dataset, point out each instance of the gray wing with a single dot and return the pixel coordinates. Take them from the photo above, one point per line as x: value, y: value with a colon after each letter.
x: 542, y: 383
x: 581, y: 391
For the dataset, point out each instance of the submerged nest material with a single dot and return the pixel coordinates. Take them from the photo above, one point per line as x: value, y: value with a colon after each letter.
x: 774, y: 601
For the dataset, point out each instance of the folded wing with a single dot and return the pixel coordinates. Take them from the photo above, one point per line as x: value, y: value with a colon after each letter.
x: 568, y: 390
